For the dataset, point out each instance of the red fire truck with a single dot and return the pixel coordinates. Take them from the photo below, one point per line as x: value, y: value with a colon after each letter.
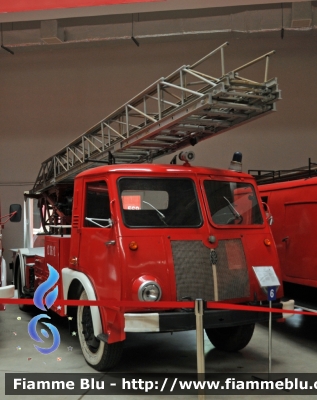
x: 132, y: 231
x: 7, y: 291
x: 291, y: 197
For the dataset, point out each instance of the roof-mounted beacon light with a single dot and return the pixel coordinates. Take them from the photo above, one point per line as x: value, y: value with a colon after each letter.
x: 236, y: 162
x: 186, y: 156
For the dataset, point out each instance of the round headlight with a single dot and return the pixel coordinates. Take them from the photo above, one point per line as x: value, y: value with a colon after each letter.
x: 149, y: 291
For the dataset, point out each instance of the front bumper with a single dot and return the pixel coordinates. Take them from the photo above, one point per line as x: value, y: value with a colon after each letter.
x: 6, y: 292
x: 184, y: 320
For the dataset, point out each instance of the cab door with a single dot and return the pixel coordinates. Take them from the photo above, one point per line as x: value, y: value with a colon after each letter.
x: 98, y: 254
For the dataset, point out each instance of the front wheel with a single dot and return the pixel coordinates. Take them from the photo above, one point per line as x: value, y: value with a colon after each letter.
x: 99, y: 355
x: 231, y: 339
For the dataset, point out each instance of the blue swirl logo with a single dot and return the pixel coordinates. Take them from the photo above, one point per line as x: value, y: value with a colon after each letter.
x: 45, y: 287
x: 39, y: 303
x: 34, y: 335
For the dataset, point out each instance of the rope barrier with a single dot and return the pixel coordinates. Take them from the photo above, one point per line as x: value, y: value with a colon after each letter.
x: 161, y: 305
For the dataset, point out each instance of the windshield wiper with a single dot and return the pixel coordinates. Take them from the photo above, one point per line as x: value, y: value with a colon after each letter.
x: 93, y: 221
x: 161, y: 215
x: 233, y: 210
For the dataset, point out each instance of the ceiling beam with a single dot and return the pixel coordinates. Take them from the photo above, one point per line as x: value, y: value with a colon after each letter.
x: 157, y: 6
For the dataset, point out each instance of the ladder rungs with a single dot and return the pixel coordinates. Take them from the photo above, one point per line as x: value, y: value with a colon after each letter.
x: 163, y: 118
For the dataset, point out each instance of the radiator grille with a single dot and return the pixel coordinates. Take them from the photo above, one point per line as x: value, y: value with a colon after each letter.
x: 194, y: 275
x: 232, y: 271
x: 193, y: 270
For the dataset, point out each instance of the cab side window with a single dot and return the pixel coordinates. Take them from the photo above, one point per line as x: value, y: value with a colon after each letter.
x: 97, y: 211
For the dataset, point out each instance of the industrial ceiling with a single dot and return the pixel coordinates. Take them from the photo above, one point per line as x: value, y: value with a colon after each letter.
x: 159, y: 20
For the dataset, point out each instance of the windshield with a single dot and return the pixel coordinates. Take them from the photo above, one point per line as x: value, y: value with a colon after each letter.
x: 232, y: 203
x: 159, y: 202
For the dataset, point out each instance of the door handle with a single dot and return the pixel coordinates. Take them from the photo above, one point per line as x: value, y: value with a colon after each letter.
x: 110, y: 243
x: 285, y: 239
x: 73, y: 260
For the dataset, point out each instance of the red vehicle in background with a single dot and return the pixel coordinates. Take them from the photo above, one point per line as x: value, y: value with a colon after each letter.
x: 292, y: 199
x: 6, y: 291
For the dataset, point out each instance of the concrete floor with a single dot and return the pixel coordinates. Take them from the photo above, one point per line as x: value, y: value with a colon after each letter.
x: 294, y: 351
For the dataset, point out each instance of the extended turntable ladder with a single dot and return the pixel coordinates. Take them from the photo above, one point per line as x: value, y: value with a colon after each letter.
x: 174, y: 112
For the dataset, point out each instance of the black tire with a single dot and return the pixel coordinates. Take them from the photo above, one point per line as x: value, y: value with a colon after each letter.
x: 99, y: 355
x: 21, y: 295
x: 231, y: 339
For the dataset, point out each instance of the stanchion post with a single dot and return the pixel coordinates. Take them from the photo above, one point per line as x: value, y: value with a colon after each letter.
x: 199, y: 312
x: 271, y: 295
x: 270, y: 339
x: 269, y: 283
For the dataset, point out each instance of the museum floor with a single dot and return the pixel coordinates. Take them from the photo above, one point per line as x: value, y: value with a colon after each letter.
x: 294, y: 351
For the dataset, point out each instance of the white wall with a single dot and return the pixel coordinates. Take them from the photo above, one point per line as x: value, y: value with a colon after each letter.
x: 51, y: 96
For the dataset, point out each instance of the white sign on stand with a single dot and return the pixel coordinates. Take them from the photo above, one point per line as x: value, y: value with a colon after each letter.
x: 269, y: 283
x: 266, y: 277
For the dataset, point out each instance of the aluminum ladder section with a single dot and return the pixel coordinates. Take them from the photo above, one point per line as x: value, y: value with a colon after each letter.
x: 174, y: 112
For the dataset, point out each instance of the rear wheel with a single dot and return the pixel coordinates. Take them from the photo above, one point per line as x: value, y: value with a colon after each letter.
x: 99, y: 355
x: 21, y: 295
x: 230, y: 339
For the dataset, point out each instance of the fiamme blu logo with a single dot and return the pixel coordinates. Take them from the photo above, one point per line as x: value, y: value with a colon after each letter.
x: 39, y: 297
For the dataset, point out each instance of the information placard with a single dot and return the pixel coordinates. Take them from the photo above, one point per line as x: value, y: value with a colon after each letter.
x: 266, y: 276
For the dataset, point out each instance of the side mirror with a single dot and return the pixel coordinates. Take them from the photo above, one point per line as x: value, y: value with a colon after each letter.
x: 15, y: 212
x: 269, y: 216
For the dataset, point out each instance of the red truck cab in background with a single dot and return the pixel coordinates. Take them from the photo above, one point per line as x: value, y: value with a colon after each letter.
x: 292, y: 203
x: 291, y: 197
x: 294, y: 209
x: 149, y: 233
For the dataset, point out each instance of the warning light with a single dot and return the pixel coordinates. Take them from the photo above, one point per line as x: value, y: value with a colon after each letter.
x: 133, y: 246
x: 267, y: 242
